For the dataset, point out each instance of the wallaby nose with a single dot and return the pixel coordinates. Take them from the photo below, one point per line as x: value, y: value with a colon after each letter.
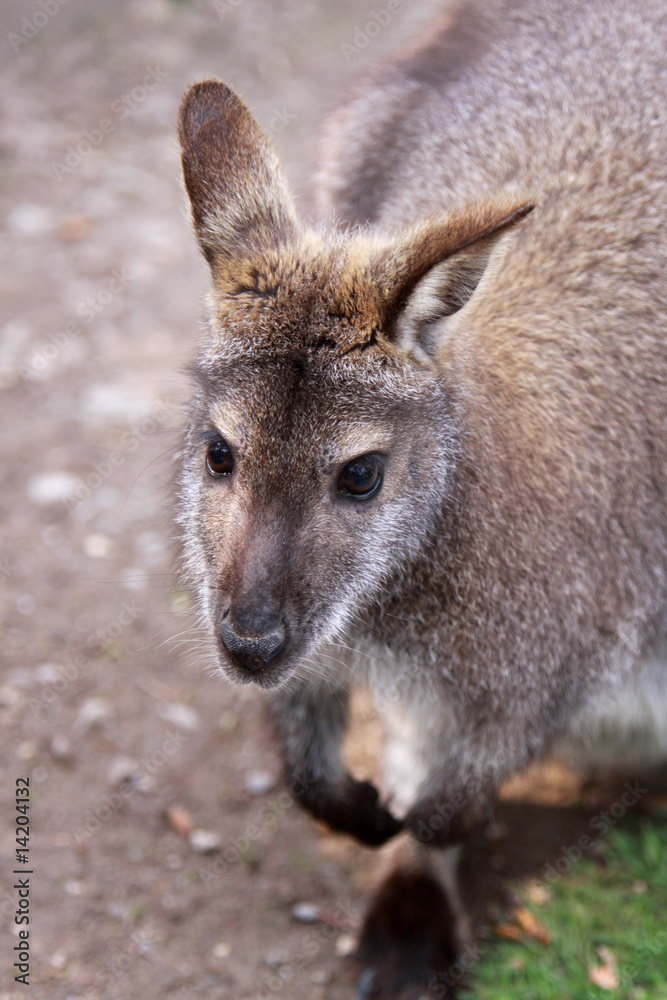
x: 253, y: 652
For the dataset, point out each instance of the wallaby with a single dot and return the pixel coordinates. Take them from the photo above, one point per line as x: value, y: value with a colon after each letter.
x: 428, y: 443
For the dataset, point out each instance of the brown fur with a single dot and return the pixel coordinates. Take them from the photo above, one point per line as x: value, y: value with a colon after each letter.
x: 510, y: 367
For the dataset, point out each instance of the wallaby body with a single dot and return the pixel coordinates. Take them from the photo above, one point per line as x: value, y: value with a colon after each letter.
x: 436, y: 431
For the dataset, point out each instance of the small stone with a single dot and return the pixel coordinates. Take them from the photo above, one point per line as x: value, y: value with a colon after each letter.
x: 221, y: 949
x: 29, y: 219
x: 92, y: 712
x: 60, y: 748
x: 181, y: 715
x: 9, y: 696
x: 25, y: 604
x: 306, y: 913
x: 26, y: 750
x: 259, y: 782
x: 47, y: 673
x: 52, y: 487
x: 320, y: 977
x: 58, y: 960
x: 180, y: 820
x: 227, y: 722
x: 111, y: 404
x: 345, y: 945
x: 142, y: 781
x: 73, y: 888
x: 121, y: 769
x: 205, y: 841
x: 274, y: 959
x: 97, y: 546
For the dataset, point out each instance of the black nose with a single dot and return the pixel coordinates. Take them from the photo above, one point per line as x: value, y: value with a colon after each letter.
x: 253, y: 652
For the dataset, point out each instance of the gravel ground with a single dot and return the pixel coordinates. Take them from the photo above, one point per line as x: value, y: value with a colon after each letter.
x: 127, y: 739
x: 167, y: 859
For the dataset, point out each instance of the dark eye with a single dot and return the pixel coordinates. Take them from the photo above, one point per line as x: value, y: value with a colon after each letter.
x: 219, y: 460
x: 361, y: 477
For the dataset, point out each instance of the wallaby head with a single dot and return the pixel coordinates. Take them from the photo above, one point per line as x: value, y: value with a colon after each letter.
x: 324, y: 434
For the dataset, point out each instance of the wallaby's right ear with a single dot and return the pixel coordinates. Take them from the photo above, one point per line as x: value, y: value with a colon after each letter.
x: 241, y: 206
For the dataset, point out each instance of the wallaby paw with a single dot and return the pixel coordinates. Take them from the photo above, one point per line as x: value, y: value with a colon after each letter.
x: 407, y: 943
x: 370, y: 821
x: 354, y: 809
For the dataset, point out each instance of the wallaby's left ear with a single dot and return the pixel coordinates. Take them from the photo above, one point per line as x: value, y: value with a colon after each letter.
x: 433, y: 270
x: 241, y: 206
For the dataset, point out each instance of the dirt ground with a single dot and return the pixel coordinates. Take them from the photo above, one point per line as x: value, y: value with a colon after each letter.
x: 166, y: 858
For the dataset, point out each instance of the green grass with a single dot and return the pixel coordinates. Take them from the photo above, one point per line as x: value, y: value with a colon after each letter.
x: 619, y: 905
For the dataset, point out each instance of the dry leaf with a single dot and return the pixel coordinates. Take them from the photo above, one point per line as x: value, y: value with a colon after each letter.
x: 511, y: 932
x: 606, y: 975
x: 531, y: 925
x: 181, y: 820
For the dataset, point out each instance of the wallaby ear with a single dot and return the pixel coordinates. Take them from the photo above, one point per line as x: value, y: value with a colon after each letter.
x: 435, y: 268
x: 241, y: 206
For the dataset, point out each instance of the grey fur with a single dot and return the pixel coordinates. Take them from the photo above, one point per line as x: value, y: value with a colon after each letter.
x: 513, y: 369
